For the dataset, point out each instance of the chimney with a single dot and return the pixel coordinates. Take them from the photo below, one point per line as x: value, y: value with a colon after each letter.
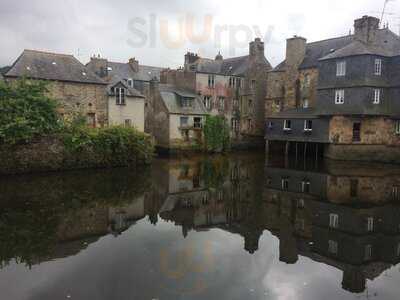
x: 295, y: 51
x: 190, y: 58
x: 134, y: 64
x: 219, y: 57
x: 257, y: 49
x: 99, y: 66
x: 154, y: 86
x: 365, y: 29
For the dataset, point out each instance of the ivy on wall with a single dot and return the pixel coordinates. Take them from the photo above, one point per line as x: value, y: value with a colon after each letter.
x: 216, y: 134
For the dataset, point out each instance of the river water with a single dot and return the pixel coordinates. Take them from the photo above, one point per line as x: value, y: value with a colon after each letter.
x: 223, y: 227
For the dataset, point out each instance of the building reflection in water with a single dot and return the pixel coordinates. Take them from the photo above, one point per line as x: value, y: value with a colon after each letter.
x: 345, y: 216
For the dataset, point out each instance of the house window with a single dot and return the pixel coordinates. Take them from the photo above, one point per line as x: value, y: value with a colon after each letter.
x: 377, y: 96
x: 211, y: 81
x: 130, y: 82
x: 378, y: 67
x: 307, y: 80
x: 197, y: 122
x: 128, y: 122
x: 341, y: 68
x: 305, y: 103
x: 339, y: 96
x: 235, y: 104
x: 370, y: 224
x: 186, y: 102
x: 119, y: 96
x: 250, y: 105
x: 300, y: 203
x: 357, y: 132
x: 397, y: 126
x: 232, y: 81
x: 221, y: 103
x: 353, y: 188
x: 253, y: 84
x: 184, y: 121
x: 396, y: 193
x: 308, y: 125
x: 235, y: 124
x: 91, y: 120
x: 285, y: 184
x: 332, y: 247
x: 270, y: 125
x: 238, y: 83
x: 334, y: 221
x: 305, y: 186
x: 207, y: 102
x: 368, y: 252
x: 287, y: 125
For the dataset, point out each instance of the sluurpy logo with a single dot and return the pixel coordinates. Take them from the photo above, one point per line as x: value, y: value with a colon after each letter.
x: 188, y: 29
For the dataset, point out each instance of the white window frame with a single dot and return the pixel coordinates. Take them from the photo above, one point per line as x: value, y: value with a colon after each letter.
x: 378, y: 67
x: 341, y: 68
x: 306, y: 103
x: 120, y: 96
x: 368, y: 252
x: 306, y: 127
x: 285, y: 125
x: 333, y: 220
x: 207, y: 102
x: 397, y: 127
x: 305, y: 183
x: 370, y: 224
x: 377, y: 96
x: 339, y: 96
x: 211, y: 80
x: 333, y: 247
x: 285, y: 182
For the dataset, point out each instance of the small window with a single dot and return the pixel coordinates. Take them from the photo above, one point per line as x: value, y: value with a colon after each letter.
x: 207, y: 102
x: 378, y: 67
x: 270, y: 125
x: 397, y: 126
x: 211, y: 81
x: 235, y: 124
x: 250, y: 105
x: 119, y: 96
x: 307, y: 80
x: 184, y: 121
x: 300, y: 203
x: 333, y: 247
x: 221, y: 103
x: 368, y: 252
x: 305, y: 103
x: 341, y: 68
x: 377, y: 96
x: 130, y: 82
x: 305, y: 186
x: 287, y: 125
x: 308, y: 125
x: 356, y: 132
x: 128, y: 123
x: 197, y: 122
x: 339, y: 96
x: 253, y: 84
x: 186, y: 102
x: 235, y: 104
x: 370, y: 224
x: 285, y: 184
x: 334, y: 221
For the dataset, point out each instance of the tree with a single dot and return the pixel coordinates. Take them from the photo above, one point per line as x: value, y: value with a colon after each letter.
x: 216, y: 134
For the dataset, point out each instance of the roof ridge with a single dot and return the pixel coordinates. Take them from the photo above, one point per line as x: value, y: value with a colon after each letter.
x: 47, y: 52
x: 331, y: 39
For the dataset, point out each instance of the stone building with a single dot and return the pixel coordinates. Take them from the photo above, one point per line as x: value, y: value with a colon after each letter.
x: 234, y: 88
x: 339, y: 93
x: 128, y: 90
x: 177, y: 118
x: 75, y: 87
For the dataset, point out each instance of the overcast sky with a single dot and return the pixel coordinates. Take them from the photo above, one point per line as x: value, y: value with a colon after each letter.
x: 160, y: 32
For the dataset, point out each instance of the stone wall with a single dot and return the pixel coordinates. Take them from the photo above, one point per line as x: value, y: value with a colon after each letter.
x: 370, y: 153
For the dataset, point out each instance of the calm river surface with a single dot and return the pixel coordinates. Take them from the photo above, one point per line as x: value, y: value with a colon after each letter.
x: 224, y: 227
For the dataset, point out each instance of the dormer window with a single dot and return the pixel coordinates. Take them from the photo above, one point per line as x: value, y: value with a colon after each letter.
x: 378, y: 67
x: 341, y: 68
x: 130, y: 82
x: 186, y: 102
x: 119, y: 96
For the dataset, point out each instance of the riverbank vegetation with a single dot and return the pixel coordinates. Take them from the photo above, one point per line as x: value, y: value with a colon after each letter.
x: 33, y: 137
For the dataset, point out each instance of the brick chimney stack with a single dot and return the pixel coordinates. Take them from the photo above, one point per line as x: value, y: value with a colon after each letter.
x: 365, y: 29
x: 295, y: 51
x: 134, y: 64
x: 98, y: 65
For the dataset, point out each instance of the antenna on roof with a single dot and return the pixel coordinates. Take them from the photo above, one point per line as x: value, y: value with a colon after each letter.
x: 384, y: 9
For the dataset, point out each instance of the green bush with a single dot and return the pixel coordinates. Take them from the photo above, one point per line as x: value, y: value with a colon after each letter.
x: 216, y: 134
x: 26, y: 112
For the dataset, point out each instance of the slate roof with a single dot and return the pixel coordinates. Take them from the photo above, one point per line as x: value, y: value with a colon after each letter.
x: 124, y: 71
x: 132, y: 92
x: 171, y: 96
x: 52, y: 66
x: 236, y: 66
x: 329, y: 48
x: 387, y: 44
